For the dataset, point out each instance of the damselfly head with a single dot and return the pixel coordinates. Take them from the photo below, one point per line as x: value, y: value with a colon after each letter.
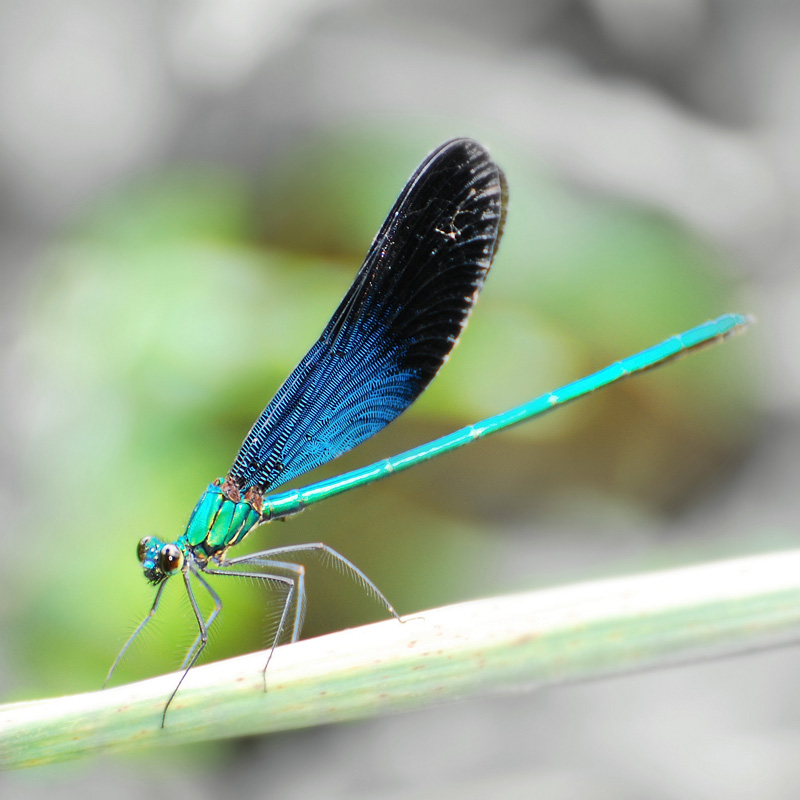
x: 159, y: 559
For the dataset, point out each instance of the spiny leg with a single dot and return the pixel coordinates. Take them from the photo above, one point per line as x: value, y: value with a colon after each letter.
x: 297, y: 578
x: 139, y: 628
x: 347, y: 567
x: 211, y: 617
x: 203, y: 634
x: 294, y: 585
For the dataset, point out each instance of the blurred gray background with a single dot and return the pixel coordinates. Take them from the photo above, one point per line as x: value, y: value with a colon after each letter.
x: 186, y: 189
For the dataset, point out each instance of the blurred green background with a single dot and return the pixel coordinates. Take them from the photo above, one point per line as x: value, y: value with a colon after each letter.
x: 169, y: 313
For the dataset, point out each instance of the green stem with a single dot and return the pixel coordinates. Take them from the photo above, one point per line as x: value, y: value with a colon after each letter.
x: 506, y: 643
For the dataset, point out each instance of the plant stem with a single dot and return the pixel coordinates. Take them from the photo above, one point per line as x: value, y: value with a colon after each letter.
x: 509, y: 643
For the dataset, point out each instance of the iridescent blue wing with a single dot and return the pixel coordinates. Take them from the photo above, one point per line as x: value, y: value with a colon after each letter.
x: 395, y: 326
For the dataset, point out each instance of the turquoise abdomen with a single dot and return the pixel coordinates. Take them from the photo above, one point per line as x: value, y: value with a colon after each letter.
x: 217, y: 522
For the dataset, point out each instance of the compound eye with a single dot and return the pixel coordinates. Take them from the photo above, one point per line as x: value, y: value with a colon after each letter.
x: 141, y: 548
x: 170, y: 559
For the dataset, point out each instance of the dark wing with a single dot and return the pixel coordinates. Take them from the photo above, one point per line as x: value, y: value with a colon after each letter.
x: 395, y: 326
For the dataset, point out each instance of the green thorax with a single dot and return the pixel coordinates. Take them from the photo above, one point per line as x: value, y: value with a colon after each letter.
x: 221, y: 518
